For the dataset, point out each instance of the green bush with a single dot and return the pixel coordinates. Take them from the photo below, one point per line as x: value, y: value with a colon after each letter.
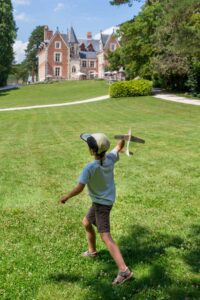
x: 131, y: 88
x: 193, y: 82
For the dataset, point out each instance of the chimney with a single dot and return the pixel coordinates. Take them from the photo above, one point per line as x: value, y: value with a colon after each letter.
x: 47, y: 33
x: 89, y: 35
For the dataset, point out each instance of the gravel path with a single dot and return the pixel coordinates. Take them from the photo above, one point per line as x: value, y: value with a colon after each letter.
x: 174, y: 98
x: 55, y: 105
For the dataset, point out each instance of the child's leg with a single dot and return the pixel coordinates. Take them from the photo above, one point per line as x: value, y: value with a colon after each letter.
x: 114, y: 250
x: 90, y: 234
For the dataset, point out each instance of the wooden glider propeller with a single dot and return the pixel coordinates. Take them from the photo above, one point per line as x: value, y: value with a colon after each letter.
x: 129, y: 138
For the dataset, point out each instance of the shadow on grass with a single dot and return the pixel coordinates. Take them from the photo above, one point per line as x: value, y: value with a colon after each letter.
x: 145, y: 251
x: 3, y: 93
x: 60, y: 277
x: 192, y: 257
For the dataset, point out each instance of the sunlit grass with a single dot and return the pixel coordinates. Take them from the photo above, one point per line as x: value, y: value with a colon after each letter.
x: 154, y: 220
x: 57, y: 92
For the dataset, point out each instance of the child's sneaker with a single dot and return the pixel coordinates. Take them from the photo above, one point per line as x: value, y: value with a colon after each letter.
x: 122, y: 277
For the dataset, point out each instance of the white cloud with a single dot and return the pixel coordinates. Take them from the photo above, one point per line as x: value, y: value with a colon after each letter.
x: 22, y: 2
x: 59, y: 7
x: 22, y: 17
x: 107, y: 31
x: 19, y: 50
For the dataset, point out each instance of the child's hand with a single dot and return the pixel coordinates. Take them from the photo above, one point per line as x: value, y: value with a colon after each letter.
x: 62, y: 200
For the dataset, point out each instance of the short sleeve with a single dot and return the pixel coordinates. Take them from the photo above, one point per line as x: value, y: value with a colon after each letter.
x: 114, y: 155
x: 84, y: 176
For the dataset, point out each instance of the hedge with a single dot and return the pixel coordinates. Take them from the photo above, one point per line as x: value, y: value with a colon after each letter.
x: 131, y: 88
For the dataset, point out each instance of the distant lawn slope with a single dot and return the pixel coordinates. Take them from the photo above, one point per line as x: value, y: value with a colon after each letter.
x: 53, y: 93
x: 155, y: 218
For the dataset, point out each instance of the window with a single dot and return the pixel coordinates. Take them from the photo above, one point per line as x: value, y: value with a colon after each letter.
x: 90, y: 48
x: 112, y: 47
x: 73, y: 69
x: 92, y: 64
x: 82, y: 47
x: 72, y: 51
x: 57, y: 45
x: 84, y: 63
x: 57, y: 71
x: 57, y: 57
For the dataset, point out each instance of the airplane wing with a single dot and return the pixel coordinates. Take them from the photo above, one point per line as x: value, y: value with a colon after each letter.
x: 126, y: 137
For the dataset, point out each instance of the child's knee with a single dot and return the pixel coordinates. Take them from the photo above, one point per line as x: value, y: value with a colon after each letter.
x: 106, y: 237
x: 86, y: 223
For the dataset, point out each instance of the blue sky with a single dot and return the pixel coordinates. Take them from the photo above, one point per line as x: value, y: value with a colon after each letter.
x: 83, y: 15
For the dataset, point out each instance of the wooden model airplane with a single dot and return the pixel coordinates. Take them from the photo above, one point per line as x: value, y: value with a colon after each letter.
x: 129, y: 138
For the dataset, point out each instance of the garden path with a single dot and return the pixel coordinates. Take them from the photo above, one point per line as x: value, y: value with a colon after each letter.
x: 175, y: 98
x: 162, y: 96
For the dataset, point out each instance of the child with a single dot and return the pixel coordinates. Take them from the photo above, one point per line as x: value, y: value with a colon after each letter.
x: 99, y: 178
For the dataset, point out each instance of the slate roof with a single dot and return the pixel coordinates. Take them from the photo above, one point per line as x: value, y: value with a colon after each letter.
x: 87, y: 55
x: 72, y: 37
x: 65, y: 37
x: 95, y: 43
x: 104, y: 38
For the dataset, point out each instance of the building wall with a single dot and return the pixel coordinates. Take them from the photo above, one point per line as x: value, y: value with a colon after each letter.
x: 41, y: 65
x: 74, y: 63
x: 88, y: 70
x: 64, y: 63
x: 101, y: 66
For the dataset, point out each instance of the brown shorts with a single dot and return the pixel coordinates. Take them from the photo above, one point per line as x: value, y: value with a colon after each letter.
x: 99, y: 215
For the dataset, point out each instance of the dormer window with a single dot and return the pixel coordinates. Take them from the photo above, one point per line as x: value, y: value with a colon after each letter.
x: 113, y: 47
x: 82, y: 47
x: 58, y: 45
x: 90, y: 48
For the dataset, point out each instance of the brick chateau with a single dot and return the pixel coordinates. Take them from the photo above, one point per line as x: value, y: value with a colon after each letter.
x: 64, y: 56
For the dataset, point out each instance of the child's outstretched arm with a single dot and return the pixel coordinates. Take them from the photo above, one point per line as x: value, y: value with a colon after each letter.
x: 77, y: 190
x: 120, y: 145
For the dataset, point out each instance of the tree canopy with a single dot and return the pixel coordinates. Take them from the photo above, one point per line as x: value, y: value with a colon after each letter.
x: 162, y: 43
x: 36, y: 37
x: 7, y: 37
x: 129, y: 2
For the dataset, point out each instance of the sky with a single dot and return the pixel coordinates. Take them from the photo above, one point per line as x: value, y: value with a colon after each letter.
x: 83, y: 15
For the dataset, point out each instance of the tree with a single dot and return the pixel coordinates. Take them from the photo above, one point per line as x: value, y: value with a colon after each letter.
x: 177, y: 42
x: 129, y: 2
x: 137, y: 46
x: 36, y: 37
x: 114, y: 59
x: 162, y: 43
x: 20, y: 72
x: 7, y: 37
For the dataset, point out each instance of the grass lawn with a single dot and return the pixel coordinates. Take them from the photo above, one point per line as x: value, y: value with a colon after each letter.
x: 155, y: 219
x: 57, y: 92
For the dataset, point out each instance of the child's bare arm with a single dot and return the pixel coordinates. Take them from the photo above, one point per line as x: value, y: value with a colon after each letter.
x: 120, y: 145
x: 77, y: 190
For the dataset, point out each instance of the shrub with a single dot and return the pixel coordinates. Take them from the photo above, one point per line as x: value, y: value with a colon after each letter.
x: 131, y: 88
x: 193, y: 82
